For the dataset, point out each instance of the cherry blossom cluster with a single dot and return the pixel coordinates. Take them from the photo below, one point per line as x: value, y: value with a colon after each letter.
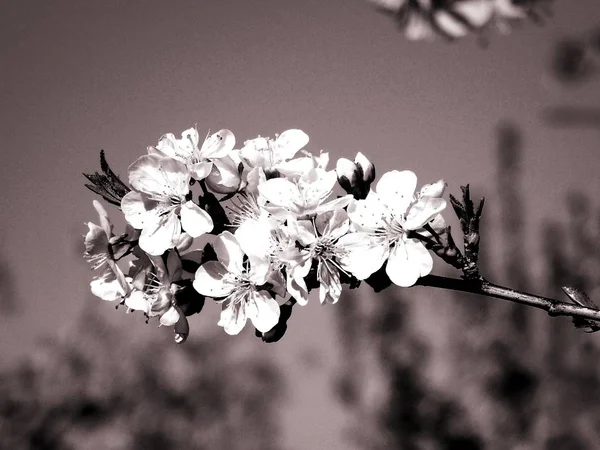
x: 254, y: 228
x: 452, y: 19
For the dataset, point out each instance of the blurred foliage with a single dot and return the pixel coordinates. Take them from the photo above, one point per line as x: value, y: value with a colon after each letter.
x: 454, y: 371
x: 96, y: 389
x: 575, y: 63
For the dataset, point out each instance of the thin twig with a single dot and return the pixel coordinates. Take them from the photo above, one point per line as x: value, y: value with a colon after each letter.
x: 483, y: 287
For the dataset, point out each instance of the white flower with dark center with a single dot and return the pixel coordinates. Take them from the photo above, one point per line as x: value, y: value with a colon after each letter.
x: 239, y: 286
x: 328, y: 241
x: 389, y: 215
x: 161, y: 204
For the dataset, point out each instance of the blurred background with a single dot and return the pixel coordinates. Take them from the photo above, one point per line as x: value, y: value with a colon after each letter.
x: 410, y: 369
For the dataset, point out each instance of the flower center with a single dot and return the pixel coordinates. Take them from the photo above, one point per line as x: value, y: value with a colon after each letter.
x: 244, y: 207
x: 324, y: 248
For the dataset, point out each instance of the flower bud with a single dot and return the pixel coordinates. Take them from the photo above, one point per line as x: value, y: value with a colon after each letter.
x: 366, y: 166
x: 181, y: 328
x: 355, y: 177
x: 347, y: 173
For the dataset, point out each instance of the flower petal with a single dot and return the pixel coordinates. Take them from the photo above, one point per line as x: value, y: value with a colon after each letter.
x: 201, y: 170
x: 224, y: 177
x: 263, y: 311
x: 254, y: 236
x: 107, y: 287
x: 336, y: 203
x: 289, y: 143
x: 96, y: 241
x: 233, y: 318
x: 396, y: 190
x: 369, y: 214
x: 422, y: 212
x: 281, y: 192
x: 319, y: 186
x: 252, y: 152
x: 301, y: 231
x: 137, y: 302
x: 218, y: 145
x: 296, y: 167
x: 333, y: 224
x: 104, y: 222
x: 229, y: 252
x: 331, y: 287
x: 434, y: 189
x: 170, y: 317
x: 296, y: 286
x: 211, y: 279
x: 364, y: 254
x: 194, y: 220
x: 138, y: 210
x: 408, y: 261
x: 157, y: 238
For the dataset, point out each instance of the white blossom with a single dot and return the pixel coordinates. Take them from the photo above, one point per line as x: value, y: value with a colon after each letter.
x: 239, y: 286
x: 388, y: 215
x: 160, y: 206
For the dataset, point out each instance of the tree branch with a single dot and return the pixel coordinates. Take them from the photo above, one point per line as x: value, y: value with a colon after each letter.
x: 484, y: 287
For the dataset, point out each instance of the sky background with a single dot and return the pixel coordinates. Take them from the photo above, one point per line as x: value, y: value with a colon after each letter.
x: 80, y: 76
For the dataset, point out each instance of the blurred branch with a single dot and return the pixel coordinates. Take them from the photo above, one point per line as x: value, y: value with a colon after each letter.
x: 569, y: 116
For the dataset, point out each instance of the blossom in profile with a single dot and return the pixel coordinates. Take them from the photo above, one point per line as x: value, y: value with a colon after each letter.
x: 198, y: 160
x: 160, y: 204
x: 274, y: 155
x: 110, y: 284
x: 389, y: 215
x: 239, y: 286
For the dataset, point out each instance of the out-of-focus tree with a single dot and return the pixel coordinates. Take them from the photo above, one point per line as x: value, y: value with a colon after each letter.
x: 473, y: 374
x: 575, y: 63
x: 96, y: 389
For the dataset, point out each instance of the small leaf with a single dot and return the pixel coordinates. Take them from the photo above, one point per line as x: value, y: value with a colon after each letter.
x: 458, y: 207
x: 479, y: 209
x: 108, y: 185
x: 579, y: 297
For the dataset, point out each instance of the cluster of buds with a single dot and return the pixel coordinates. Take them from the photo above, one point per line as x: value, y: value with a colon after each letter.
x: 453, y: 19
x: 255, y: 229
